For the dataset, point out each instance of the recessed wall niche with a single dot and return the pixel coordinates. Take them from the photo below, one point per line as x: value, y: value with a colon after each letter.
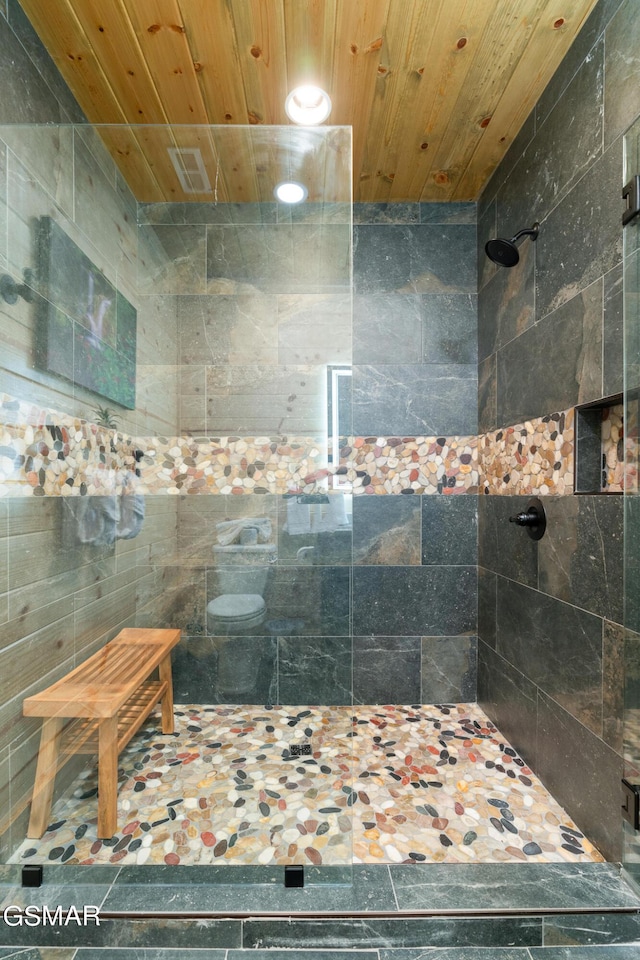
x: 600, y: 447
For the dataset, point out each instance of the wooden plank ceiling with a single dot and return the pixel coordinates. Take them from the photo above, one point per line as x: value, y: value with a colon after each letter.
x: 435, y: 90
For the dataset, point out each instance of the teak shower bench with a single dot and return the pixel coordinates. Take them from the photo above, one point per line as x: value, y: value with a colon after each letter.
x: 106, y: 699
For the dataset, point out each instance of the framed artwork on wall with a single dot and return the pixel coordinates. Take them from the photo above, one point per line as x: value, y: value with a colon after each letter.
x: 86, y: 329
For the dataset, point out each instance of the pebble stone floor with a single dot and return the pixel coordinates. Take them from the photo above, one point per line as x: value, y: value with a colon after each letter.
x: 393, y: 784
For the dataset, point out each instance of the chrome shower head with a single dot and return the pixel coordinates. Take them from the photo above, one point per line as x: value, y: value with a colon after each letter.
x: 505, y: 252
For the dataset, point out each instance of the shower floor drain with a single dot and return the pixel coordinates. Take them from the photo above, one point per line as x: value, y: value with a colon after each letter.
x: 300, y: 749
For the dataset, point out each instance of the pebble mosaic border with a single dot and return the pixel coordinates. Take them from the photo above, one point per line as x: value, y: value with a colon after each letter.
x: 378, y: 784
x: 45, y: 453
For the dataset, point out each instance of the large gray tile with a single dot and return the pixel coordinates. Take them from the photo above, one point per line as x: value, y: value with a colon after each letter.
x: 582, y: 773
x: 504, y: 547
x: 510, y: 700
x: 449, y: 530
x: 423, y: 258
x: 449, y: 670
x: 178, y: 266
x: 449, y: 328
x: 27, y: 98
x: 448, y: 212
x: 386, y: 670
x: 622, y: 100
x: 222, y: 329
x: 581, y: 239
x: 612, y: 372
x: 613, y: 648
x: 554, y: 644
x: 314, y: 328
x: 414, y: 601
x: 155, y: 953
x: 457, y: 953
x: 534, y: 377
x: 225, y: 670
x: 509, y: 886
x: 506, y: 304
x: 386, y: 530
x: 387, y: 328
x: 597, y: 929
x: 414, y: 400
x: 628, y: 952
x: 126, y: 933
x: 487, y: 394
x: 386, y: 213
x: 487, y: 593
x: 315, y: 670
x: 315, y: 597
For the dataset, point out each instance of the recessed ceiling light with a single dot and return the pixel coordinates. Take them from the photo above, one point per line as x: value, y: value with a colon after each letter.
x: 308, y: 105
x: 291, y: 192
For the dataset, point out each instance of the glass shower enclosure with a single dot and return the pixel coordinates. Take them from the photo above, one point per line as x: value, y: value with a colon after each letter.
x: 175, y: 398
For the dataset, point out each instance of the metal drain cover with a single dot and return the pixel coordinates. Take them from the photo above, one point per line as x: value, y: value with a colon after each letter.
x: 300, y: 749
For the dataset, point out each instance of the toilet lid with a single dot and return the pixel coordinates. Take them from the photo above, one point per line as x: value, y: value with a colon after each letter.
x: 237, y: 606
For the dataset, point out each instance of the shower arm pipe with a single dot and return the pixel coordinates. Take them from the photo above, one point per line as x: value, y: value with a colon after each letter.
x: 531, y: 231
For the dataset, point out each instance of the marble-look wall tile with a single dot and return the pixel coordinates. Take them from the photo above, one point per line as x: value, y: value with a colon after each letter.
x: 223, y: 329
x: 423, y: 258
x: 506, y: 306
x: 369, y: 213
x: 314, y: 599
x: 589, y: 214
x: 4, y: 561
x: 315, y: 670
x: 314, y: 328
x: 203, y: 212
x: 414, y: 601
x: 27, y: 96
x: 613, y: 681
x: 449, y: 669
x: 487, y: 394
x: 554, y: 644
x: 226, y: 670
x: 621, y: 101
x: 612, y: 363
x: 535, y: 377
x: 414, y: 399
x: 387, y: 327
x: 504, y: 170
x: 449, y: 328
x: 330, y: 547
x: 449, y: 212
x: 175, y: 261
x: 487, y: 601
x: 504, y: 547
x: 386, y: 670
x: 565, y: 146
x: 582, y: 773
x: 487, y: 230
x: 510, y: 700
x: 580, y: 556
x: 198, y: 517
x: 449, y: 530
x: 386, y: 530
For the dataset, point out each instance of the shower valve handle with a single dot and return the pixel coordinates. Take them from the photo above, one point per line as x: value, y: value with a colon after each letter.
x: 528, y: 518
x: 533, y: 518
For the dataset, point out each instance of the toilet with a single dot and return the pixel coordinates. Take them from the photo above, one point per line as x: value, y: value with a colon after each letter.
x: 242, y: 576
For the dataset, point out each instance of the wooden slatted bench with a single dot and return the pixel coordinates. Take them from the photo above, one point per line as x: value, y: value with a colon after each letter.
x: 96, y: 709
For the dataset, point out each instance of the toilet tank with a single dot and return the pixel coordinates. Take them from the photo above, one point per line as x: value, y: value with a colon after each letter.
x: 243, y: 569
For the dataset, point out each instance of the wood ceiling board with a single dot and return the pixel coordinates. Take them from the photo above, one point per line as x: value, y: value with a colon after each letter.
x: 538, y: 63
x: 163, y: 43
x: 359, y: 41
x: 444, y: 51
x: 310, y: 33
x: 212, y: 41
x: 262, y: 58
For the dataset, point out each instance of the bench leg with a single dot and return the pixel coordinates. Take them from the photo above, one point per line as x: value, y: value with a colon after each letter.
x: 46, y: 770
x: 108, y: 777
x: 167, y: 701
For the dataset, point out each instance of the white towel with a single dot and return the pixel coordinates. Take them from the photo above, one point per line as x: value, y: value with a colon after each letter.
x: 228, y: 531
x: 298, y: 517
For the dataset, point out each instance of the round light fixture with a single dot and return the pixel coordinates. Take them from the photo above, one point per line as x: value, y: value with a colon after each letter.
x: 308, y: 105
x: 291, y: 192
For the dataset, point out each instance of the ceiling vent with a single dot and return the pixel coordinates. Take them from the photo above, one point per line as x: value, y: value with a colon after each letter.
x: 189, y: 166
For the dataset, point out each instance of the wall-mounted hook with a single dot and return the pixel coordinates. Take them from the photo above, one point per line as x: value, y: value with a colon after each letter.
x: 10, y: 290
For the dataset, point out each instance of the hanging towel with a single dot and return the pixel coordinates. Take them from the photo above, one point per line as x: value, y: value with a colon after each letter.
x: 228, y: 531
x: 298, y: 517
x: 130, y: 515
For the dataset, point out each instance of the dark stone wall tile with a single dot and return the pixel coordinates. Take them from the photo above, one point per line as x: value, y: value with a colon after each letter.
x: 414, y: 400
x: 613, y: 677
x: 386, y: 669
x: 502, y: 546
x: 567, y: 930
x: 449, y: 669
x: 510, y: 700
x: 449, y: 530
x: 315, y: 597
x: 386, y: 213
x: 487, y: 599
x: 622, y: 96
x: 314, y: 670
x: 632, y: 562
x: 414, y: 601
x: 612, y: 372
x: 422, y: 258
x: 328, y: 548
x: 535, y: 377
x: 226, y: 670
x: 387, y: 328
x: 580, y: 556
x: 386, y: 530
x: 565, y: 146
x: 449, y: 328
x: 522, y: 139
x: 27, y: 96
x: 581, y: 239
x: 487, y: 394
x: 450, y: 212
x: 555, y: 645
x: 582, y: 773
x: 228, y: 329
x: 506, y: 304
x: 487, y: 230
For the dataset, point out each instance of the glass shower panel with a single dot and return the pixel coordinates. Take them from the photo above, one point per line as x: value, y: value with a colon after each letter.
x: 166, y: 405
x: 632, y: 501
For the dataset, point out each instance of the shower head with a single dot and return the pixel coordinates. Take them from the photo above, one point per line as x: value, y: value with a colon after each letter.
x: 505, y: 252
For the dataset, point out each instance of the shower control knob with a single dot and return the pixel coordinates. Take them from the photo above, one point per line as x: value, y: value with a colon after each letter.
x: 533, y: 518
